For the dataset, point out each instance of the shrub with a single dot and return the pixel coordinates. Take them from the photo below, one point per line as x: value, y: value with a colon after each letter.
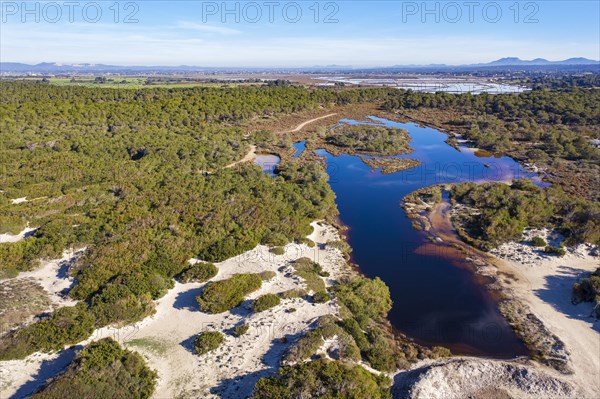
x: 365, y: 298
x: 307, y: 241
x: 241, y: 329
x: 323, y: 379
x: 555, y: 250
x: 353, y: 328
x: 538, y: 242
x: 117, y: 304
x: 265, y: 302
x: 274, y: 239
x: 348, y: 348
x: 66, y: 326
x: 380, y: 354
x: 293, y: 293
x: 305, y: 347
x: 312, y: 280
x: 440, y: 351
x: 208, y: 341
x: 588, y: 290
x: 103, y: 370
x: 267, y: 275
x: 199, y: 273
x: 310, y: 272
x: 277, y: 250
x: 321, y: 297
x: 220, y: 296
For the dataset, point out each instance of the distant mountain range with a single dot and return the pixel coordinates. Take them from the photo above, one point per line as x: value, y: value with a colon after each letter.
x: 508, y: 63
x: 541, y: 61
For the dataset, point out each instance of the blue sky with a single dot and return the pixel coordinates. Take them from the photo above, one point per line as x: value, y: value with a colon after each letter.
x: 286, y: 34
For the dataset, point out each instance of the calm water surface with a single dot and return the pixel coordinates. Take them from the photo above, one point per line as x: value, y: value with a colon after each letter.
x: 437, y: 298
x: 267, y: 162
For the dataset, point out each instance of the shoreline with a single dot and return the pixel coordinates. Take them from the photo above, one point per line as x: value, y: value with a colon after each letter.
x: 534, y: 297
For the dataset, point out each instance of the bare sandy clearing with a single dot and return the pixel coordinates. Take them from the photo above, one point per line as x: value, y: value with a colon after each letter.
x: 6, y: 238
x: 479, y: 378
x: 544, y: 283
x: 19, y: 200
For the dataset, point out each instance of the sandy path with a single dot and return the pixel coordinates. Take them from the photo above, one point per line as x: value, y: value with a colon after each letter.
x: 249, y: 157
x: 301, y: 126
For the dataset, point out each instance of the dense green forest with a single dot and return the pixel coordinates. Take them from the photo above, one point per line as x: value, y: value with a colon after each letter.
x: 367, y: 139
x: 136, y: 177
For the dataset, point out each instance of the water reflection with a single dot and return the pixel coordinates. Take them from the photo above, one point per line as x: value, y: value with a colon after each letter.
x: 267, y: 162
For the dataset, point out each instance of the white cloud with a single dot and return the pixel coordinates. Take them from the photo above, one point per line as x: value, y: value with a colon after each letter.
x: 221, y: 30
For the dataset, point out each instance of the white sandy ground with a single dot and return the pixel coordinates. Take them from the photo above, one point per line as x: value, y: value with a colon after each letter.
x: 7, y: 237
x: 16, y: 375
x: 465, y: 377
x: 165, y: 339
x: 544, y: 283
x: 54, y: 278
x: 19, y: 200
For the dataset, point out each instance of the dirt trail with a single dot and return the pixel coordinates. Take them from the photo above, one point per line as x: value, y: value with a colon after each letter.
x: 249, y: 157
x: 252, y: 153
x: 300, y: 126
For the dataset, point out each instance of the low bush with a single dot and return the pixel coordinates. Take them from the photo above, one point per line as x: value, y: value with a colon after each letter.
x: 267, y: 275
x: 588, y: 290
x: 538, y: 242
x: 220, y: 296
x: 277, y: 250
x: 117, y: 304
x: 321, y: 297
x: 311, y: 273
x: 343, y: 246
x: 103, y: 370
x: 66, y: 326
x: 198, y: 273
x: 323, y: 379
x: 265, y: 302
x: 304, y: 348
x: 555, y: 250
x: 208, y: 341
x: 293, y: 293
x: 241, y: 329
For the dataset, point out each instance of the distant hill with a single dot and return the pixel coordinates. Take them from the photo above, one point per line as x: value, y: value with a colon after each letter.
x: 507, y: 64
x: 539, y: 61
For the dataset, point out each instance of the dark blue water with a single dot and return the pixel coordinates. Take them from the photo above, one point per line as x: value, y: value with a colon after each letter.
x: 437, y: 298
x: 299, y: 146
